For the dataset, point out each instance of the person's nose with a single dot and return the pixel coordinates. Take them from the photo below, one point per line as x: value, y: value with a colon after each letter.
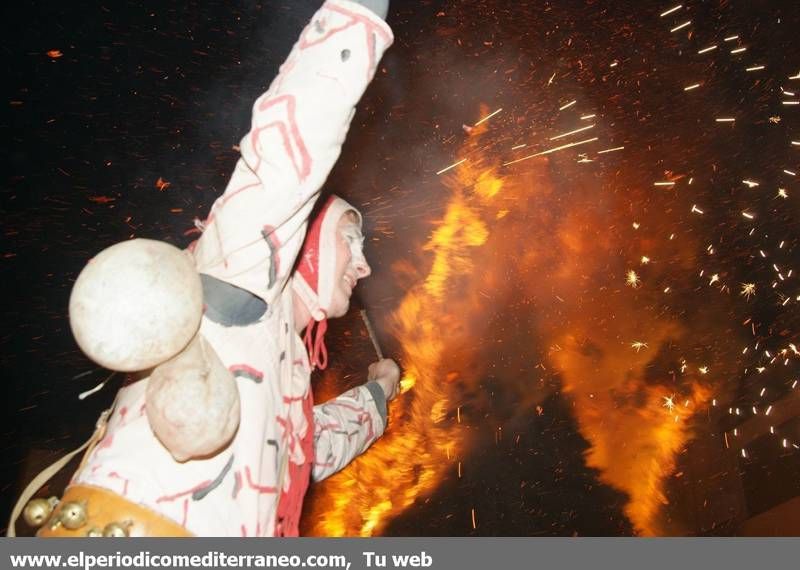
x: 362, y: 268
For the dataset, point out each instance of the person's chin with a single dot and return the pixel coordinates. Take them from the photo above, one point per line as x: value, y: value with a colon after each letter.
x: 340, y: 309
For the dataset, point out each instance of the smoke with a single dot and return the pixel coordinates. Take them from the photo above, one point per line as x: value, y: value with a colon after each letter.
x: 580, y: 279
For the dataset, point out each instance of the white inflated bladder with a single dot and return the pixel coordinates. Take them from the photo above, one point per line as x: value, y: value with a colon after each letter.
x: 136, y: 304
x: 193, y: 403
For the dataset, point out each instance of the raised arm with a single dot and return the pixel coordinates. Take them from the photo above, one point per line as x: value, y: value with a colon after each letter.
x: 255, y: 229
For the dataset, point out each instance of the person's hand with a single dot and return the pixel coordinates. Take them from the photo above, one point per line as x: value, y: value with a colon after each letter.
x: 387, y: 375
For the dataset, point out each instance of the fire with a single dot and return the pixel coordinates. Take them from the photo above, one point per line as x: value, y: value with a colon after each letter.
x: 619, y: 394
x: 461, y: 229
x: 636, y: 429
x: 424, y: 441
x: 527, y: 246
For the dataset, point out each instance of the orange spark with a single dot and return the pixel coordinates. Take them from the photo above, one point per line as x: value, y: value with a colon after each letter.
x: 101, y: 199
x: 162, y: 184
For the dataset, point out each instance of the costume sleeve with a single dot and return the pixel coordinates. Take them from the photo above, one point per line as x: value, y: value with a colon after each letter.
x: 345, y: 427
x: 254, y: 231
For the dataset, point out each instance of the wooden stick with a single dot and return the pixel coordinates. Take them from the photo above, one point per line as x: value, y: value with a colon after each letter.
x: 371, y: 333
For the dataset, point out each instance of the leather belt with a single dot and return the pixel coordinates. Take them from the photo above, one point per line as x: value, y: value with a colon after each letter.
x: 106, y: 513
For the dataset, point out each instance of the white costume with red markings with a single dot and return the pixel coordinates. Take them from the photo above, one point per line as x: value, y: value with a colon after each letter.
x: 252, y: 236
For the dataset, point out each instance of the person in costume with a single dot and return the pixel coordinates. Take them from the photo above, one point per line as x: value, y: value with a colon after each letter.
x: 218, y: 434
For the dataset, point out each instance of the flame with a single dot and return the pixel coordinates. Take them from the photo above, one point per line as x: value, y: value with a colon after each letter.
x: 555, y: 257
x: 461, y: 229
x: 634, y: 436
x: 618, y: 400
x: 423, y: 441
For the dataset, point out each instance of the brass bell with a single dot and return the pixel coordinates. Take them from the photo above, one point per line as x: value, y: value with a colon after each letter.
x: 73, y: 515
x: 94, y: 532
x: 37, y: 511
x: 116, y: 530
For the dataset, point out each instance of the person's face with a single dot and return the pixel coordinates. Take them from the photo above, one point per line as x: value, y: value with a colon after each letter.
x: 351, y: 265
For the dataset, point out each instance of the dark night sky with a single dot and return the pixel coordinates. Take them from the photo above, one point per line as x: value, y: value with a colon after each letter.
x: 144, y: 91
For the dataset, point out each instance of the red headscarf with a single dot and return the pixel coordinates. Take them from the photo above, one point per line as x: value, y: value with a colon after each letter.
x: 314, y: 280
